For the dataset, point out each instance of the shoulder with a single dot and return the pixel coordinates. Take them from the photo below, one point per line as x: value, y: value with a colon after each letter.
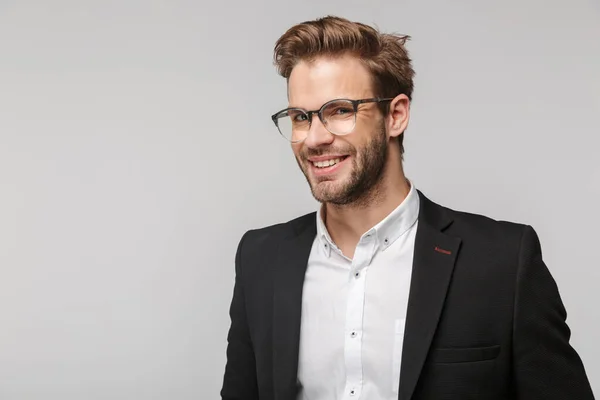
x: 496, y: 238
x: 484, y: 230
x: 261, y: 239
x: 485, y: 226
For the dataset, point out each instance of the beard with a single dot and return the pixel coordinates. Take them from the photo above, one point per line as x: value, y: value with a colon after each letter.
x: 362, y: 186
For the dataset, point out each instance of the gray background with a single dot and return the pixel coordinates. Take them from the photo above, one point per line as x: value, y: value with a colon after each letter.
x: 136, y: 148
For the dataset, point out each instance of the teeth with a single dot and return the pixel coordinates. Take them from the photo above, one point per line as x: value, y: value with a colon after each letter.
x: 326, y: 163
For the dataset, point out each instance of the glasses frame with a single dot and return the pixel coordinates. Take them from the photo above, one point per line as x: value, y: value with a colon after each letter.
x: 319, y: 113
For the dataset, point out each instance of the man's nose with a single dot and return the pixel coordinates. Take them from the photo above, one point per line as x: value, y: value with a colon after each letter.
x: 318, y: 135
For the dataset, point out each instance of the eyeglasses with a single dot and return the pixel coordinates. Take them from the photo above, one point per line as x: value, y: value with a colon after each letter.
x: 338, y: 116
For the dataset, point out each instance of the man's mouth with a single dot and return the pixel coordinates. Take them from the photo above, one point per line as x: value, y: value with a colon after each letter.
x: 328, y: 163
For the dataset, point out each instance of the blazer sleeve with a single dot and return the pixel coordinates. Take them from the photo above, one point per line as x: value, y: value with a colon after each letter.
x: 545, y: 365
x: 240, y: 381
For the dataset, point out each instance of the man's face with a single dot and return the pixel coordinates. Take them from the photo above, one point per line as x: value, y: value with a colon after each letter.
x: 358, y: 158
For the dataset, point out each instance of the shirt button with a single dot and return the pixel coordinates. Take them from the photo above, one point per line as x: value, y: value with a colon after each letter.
x: 357, y: 275
x: 386, y: 240
x: 352, y: 392
x: 353, y: 334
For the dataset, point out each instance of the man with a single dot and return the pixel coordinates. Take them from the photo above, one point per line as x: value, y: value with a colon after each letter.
x: 383, y: 294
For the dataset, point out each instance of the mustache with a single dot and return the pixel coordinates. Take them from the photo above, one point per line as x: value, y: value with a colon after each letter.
x: 323, y: 151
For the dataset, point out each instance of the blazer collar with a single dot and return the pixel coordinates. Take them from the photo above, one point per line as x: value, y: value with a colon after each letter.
x: 434, y: 257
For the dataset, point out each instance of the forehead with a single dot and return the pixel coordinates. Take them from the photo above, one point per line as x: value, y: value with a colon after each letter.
x: 315, y: 82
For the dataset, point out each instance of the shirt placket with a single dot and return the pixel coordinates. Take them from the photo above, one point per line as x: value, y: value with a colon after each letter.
x: 355, y: 317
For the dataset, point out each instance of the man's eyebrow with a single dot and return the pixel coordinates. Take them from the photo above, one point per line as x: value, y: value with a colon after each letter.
x: 294, y: 106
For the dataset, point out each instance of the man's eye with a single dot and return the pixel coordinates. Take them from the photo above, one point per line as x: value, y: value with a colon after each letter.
x: 300, y: 118
x: 343, y: 111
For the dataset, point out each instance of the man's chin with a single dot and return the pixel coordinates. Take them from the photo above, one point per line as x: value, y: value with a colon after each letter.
x: 327, y: 192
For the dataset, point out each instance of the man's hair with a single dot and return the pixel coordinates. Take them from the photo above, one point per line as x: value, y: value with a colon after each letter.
x: 383, y: 54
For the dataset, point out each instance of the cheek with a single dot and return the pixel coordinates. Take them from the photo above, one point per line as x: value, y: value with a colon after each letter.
x: 356, y: 149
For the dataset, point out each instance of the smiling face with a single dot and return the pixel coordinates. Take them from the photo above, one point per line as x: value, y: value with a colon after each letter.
x: 339, y: 169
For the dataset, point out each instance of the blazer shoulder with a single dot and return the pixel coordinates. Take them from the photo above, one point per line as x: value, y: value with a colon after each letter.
x: 260, y: 239
x: 486, y: 228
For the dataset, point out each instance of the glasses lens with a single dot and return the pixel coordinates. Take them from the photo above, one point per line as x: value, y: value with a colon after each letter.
x: 339, y: 117
x: 293, y: 124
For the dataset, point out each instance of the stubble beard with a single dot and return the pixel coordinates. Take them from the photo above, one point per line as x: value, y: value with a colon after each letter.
x: 363, y: 186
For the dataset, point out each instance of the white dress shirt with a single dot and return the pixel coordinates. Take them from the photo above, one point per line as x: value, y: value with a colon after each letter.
x: 354, y: 310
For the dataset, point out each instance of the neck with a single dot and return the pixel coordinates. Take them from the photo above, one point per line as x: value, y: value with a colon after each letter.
x: 347, y: 223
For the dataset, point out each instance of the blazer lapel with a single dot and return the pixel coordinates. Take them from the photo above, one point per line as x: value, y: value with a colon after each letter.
x: 434, y: 257
x: 290, y: 267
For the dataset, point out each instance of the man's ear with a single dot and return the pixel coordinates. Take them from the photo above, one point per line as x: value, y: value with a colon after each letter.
x: 399, y: 115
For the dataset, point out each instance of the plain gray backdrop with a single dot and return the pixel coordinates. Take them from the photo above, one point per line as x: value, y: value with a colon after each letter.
x: 136, y: 147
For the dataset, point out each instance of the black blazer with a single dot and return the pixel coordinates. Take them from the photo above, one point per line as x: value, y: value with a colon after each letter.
x: 484, y: 319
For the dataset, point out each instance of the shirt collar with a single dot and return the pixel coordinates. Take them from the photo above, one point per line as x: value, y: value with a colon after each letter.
x: 387, y: 231
x: 399, y: 221
x: 325, y: 241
